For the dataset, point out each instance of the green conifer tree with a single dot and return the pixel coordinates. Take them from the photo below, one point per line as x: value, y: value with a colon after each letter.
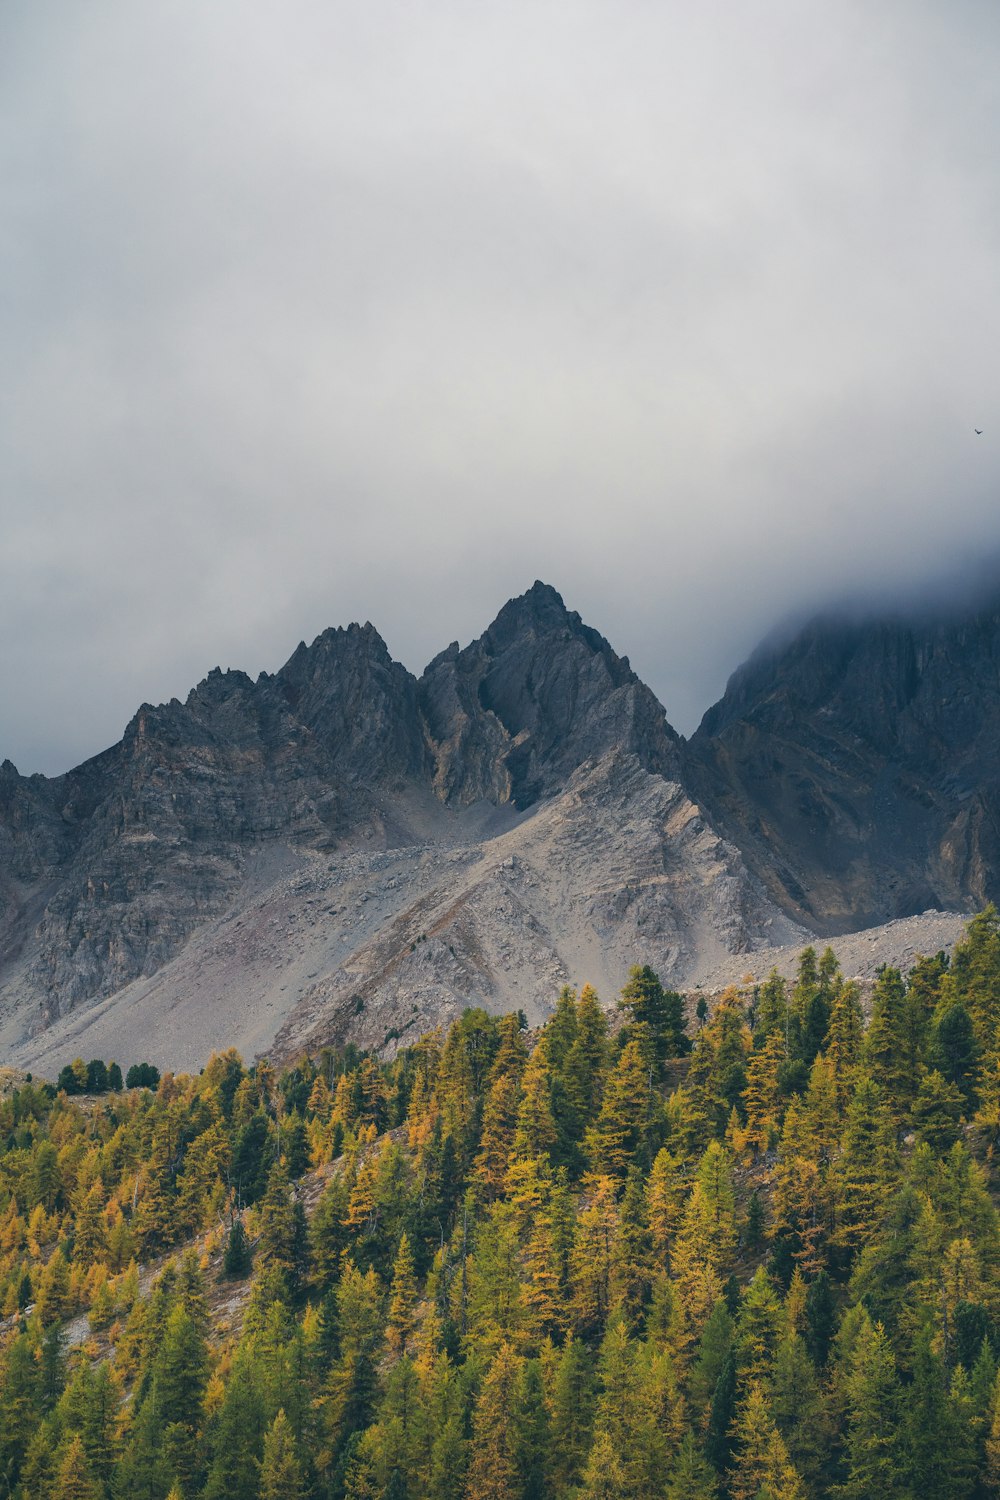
x: 872, y: 1391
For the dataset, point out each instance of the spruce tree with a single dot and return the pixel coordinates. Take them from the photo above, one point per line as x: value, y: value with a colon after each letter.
x: 660, y: 1011
x: 872, y: 1391
x: 237, y: 1259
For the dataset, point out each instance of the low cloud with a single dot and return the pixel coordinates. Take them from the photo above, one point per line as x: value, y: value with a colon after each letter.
x: 319, y: 312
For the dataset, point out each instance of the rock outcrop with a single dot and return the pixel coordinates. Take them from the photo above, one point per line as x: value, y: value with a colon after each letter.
x: 856, y: 766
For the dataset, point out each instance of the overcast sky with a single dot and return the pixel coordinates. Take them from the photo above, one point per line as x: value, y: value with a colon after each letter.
x: 312, y: 312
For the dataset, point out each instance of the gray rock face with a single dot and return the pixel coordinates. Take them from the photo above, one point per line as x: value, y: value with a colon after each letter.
x: 359, y: 704
x: 857, y: 768
x: 537, y: 734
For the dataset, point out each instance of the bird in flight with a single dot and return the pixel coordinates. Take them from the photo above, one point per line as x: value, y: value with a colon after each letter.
x: 978, y: 431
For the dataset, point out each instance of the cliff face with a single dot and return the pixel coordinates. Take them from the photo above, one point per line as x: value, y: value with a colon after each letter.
x: 537, y: 734
x: 857, y: 768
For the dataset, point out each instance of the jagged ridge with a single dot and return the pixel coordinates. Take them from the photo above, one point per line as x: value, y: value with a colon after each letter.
x: 337, y: 756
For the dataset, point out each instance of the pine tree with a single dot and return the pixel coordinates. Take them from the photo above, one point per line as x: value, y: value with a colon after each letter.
x: 200, y: 1186
x: 758, y: 1329
x: 845, y: 1039
x: 804, y: 992
x: 282, y: 1229
x: 500, y: 1116
x: 953, y: 1047
x: 886, y: 1052
x: 620, y: 1407
x: 660, y: 1011
x: 803, y: 1197
x: 89, y: 1232
x: 937, y: 1111
x: 533, y: 1434
x: 351, y: 1388
x: 992, y: 1446
x: 511, y: 1054
x: 721, y: 1417
x: 328, y: 1237
x: 730, y: 1042
x: 495, y: 1297
x: 974, y: 979
x: 633, y: 1252
x: 18, y: 1405
x: 541, y: 1292
x: 179, y: 1376
x: 866, y: 1166
x: 237, y: 1441
x: 604, y: 1477
x: 799, y: 1410
x: 771, y: 1010
x: 572, y: 1408
x: 933, y: 1456
x: 762, y: 1095
x: 53, y: 1301
x: 588, y: 1059
x: 664, y: 1204
x: 536, y: 1132
x: 714, y: 1347
x: 592, y: 1259
x: 570, y: 1087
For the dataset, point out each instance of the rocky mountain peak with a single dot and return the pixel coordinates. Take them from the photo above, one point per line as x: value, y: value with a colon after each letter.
x: 537, y: 695
x: 360, y: 704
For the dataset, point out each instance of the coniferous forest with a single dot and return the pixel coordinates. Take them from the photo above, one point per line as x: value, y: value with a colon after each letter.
x: 751, y: 1255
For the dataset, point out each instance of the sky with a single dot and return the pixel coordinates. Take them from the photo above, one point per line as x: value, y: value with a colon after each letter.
x: 314, y: 311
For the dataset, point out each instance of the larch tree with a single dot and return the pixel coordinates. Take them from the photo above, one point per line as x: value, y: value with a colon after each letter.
x: 761, y: 1463
x: 621, y: 1130
x: 402, y: 1300
x: 494, y: 1473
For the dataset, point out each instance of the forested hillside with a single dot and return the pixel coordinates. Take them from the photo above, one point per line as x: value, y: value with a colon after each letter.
x: 610, y: 1259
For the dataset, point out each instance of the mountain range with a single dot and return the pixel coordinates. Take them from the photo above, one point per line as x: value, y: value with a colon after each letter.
x: 340, y: 849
